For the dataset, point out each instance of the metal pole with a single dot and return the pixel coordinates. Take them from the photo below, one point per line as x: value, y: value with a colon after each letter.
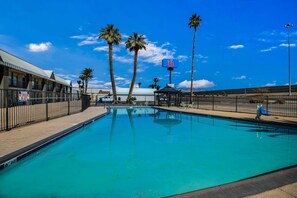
x: 213, y: 102
x: 68, y: 103
x: 7, y: 110
x: 170, y: 70
x: 289, y: 66
x: 289, y: 61
x: 46, y: 109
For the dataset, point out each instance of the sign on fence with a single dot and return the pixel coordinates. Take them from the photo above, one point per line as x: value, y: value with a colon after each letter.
x: 24, y: 96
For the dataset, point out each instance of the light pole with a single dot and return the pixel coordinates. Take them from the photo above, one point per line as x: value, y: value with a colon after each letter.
x: 288, y: 26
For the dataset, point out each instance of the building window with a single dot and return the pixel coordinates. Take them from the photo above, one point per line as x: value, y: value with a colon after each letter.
x: 13, y: 80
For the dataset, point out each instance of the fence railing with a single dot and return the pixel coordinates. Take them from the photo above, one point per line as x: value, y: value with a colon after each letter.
x: 21, y: 107
x: 275, y: 105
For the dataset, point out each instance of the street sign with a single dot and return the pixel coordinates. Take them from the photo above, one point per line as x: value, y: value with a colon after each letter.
x: 170, y: 63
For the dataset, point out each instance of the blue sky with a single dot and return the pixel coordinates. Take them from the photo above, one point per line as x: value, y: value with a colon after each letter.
x: 240, y: 43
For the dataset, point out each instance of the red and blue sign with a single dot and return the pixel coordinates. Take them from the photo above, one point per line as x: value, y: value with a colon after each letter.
x: 170, y: 63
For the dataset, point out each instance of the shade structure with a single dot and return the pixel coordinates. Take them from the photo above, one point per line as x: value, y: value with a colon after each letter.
x: 167, y: 96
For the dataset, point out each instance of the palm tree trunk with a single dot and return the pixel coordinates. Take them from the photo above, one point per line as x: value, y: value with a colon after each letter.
x: 134, y: 75
x: 114, y: 91
x: 86, y: 87
x: 192, y: 72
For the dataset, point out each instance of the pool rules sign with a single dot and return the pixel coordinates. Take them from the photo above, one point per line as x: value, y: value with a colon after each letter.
x: 24, y: 96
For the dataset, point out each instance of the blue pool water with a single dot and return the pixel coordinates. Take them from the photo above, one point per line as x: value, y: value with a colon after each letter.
x: 144, y: 152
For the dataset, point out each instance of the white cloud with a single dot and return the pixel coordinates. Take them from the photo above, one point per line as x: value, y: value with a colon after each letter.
x: 154, y: 54
x: 139, y: 69
x: 68, y: 76
x: 125, y: 36
x: 101, y: 49
x: 119, y: 78
x: 79, y: 37
x: 239, y: 77
x: 236, y: 46
x: 262, y: 40
x: 165, y: 44
x: 41, y: 47
x: 122, y: 59
x: 88, y: 42
x: 107, y: 84
x: 189, y: 71
x: 182, y: 58
x: 196, y: 84
x: 105, y: 49
x: 270, y: 84
x: 268, y: 49
x: 201, y: 58
x: 286, y: 45
x: 87, y: 39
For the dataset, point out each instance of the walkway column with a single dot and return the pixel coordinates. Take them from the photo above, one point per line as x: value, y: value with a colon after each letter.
x: 29, y: 87
x: 4, y: 84
x: 44, y: 90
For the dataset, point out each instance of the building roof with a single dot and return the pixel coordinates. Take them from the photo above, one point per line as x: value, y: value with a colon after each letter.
x: 16, y: 63
x: 168, y: 89
x: 136, y: 91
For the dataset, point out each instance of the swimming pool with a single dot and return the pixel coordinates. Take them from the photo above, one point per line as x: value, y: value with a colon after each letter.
x: 145, y: 152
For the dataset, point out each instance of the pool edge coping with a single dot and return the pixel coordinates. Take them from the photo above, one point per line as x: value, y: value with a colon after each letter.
x: 21, y: 153
x: 285, y: 124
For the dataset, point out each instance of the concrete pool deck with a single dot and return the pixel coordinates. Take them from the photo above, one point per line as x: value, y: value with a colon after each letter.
x: 280, y: 184
x: 18, y: 140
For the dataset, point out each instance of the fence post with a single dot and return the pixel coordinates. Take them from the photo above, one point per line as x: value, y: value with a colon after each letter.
x: 235, y: 103
x: 213, y: 102
x: 6, y: 104
x: 46, y: 109
x: 68, y: 103
x: 198, y: 101
x: 82, y: 103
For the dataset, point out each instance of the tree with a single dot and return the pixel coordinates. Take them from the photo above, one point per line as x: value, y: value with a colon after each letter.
x: 135, y: 43
x: 155, y: 85
x: 82, y: 78
x: 79, y: 85
x: 86, y: 75
x: 139, y: 84
x: 156, y: 80
x: 194, y: 22
x: 112, y: 37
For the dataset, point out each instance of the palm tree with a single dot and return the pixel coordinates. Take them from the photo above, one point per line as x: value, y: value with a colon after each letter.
x: 135, y: 43
x: 79, y: 83
x: 194, y: 22
x: 87, y: 74
x: 112, y: 36
x: 156, y: 80
x: 82, y: 78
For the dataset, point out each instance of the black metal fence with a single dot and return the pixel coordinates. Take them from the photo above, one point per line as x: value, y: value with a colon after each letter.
x: 275, y: 105
x: 21, y: 107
